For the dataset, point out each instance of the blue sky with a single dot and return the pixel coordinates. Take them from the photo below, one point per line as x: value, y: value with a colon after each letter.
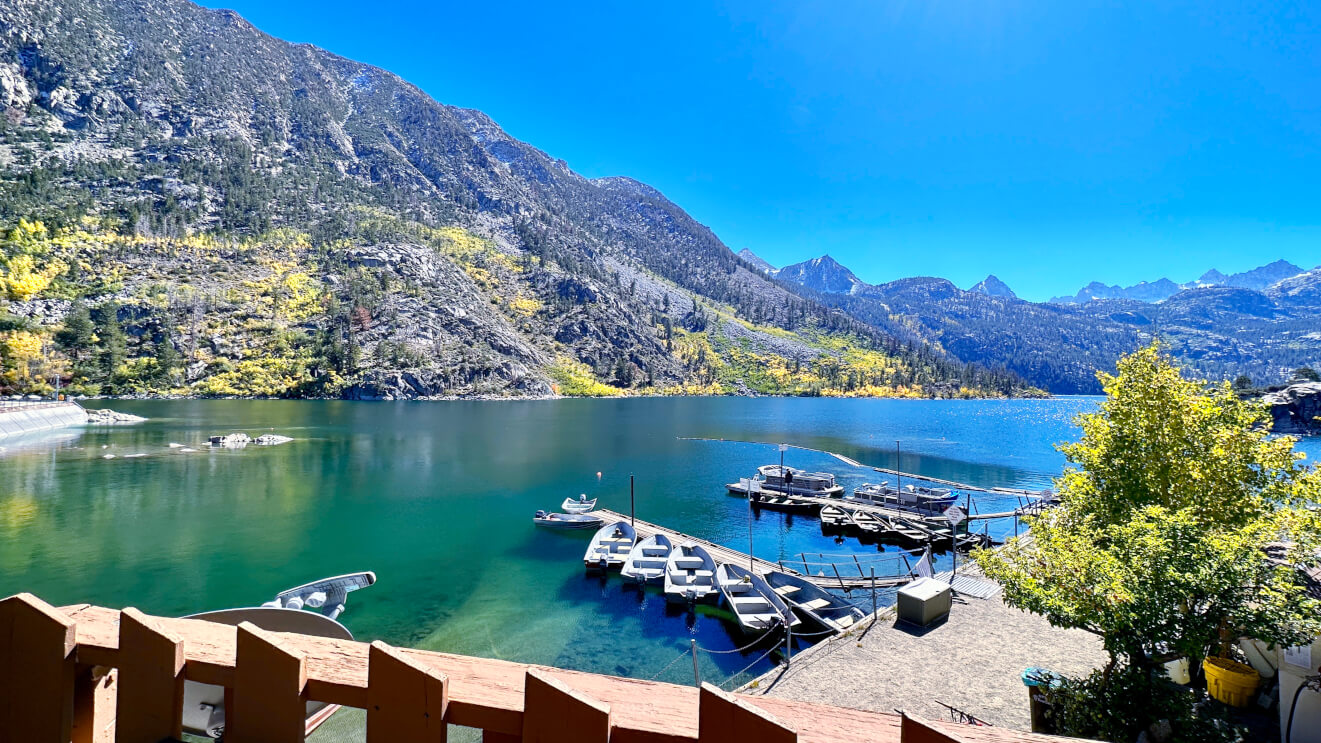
x: 1051, y: 143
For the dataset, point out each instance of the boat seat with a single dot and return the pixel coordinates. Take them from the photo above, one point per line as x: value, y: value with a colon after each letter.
x: 738, y: 587
x: 703, y: 574
x: 844, y: 622
x: 786, y: 590
x: 655, y: 551
x: 816, y: 604
x: 689, y: 563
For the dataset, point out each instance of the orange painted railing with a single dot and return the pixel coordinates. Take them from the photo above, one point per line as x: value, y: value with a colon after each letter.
x: 89, y: 674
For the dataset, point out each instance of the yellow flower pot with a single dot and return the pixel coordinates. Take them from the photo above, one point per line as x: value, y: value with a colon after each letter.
x: 1230, y: 682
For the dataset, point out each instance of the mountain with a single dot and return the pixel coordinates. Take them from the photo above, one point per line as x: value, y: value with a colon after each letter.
x: 1216, y: 331
x: 756, y: 261
x: 238, y: 215
x: 1257, y: 279
x: 1262, y: 277
x: 1143, y: 291
x: 994, y: 287
x: 823, y: 274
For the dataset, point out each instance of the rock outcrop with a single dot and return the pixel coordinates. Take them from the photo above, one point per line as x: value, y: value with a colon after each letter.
x: 1296, y: 409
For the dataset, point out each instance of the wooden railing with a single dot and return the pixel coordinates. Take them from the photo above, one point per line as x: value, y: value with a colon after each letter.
x: 89, y: 674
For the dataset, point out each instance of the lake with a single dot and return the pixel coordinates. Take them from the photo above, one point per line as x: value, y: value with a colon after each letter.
x: 437, y: 499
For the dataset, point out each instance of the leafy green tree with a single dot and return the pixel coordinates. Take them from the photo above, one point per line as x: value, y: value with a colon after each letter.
x: 1159, y: 543
x: 1242, y: 382
x: 1307, y: 374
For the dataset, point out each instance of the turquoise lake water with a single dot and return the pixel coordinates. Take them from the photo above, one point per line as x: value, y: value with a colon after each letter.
x: 436, y: 498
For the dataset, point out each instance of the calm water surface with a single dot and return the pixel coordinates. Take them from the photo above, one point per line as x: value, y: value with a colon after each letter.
x: 437, y: 499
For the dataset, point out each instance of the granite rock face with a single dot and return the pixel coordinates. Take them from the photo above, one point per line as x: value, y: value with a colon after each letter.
x: 1297, y: 408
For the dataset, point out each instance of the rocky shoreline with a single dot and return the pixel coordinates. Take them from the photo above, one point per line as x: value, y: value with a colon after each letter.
x: 1296, y: 409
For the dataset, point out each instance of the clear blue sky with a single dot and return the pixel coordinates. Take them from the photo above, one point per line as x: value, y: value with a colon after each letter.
x: 1048, y: 142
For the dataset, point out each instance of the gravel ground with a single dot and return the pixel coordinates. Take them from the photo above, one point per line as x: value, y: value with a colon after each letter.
x: 972, y: 661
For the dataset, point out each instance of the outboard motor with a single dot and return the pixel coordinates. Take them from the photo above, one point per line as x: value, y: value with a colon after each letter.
x: 539, y: 515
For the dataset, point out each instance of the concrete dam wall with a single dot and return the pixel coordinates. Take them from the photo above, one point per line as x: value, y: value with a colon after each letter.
x: 17, y: 418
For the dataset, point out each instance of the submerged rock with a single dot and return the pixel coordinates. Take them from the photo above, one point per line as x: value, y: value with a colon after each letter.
x: 272, y: 439
x: 232, y: 441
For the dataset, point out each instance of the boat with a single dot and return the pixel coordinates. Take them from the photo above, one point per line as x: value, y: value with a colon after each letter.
x: 309, y: 609
x: 578, y: 505
x: 648, y: 558
x: 690, y: 574
x: 869, y: 523
x: 756, y: 606
x: 910, y: 498
x: 790, y: 481
x: 610, y: 546
x: 813, y: 602
x: 567, y: 520
x: 780, y: 502
x: 834, y: 518
x: 910, y: 530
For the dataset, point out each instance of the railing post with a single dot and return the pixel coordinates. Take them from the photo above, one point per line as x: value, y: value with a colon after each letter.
x: 555, y: 713
x: 149, y: 707
x: 96, y: 689
x: 724, y: 718
x: 269, y: 679
x: 37, y: 671
x: 406, y: 701
x: 697, y: 675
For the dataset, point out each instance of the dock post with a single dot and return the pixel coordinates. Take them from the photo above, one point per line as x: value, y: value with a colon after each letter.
x: 697, y: 675
x: 873, y: 591
x: 788, y: 642
x: 632, y: 512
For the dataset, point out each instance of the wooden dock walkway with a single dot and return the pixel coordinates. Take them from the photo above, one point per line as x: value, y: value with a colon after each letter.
x: 829, y: 579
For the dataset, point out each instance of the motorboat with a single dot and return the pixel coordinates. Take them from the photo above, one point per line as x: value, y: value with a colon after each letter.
x: 309, y: 609
x: 610, y: 547
x: 756, y: 606
x: 813, y: 602
x: 690, y: 574
x: 648, y: 558
x: 910, y: 498
x: 567, y: 520
x: 789, y: 481
x: 578, y: 505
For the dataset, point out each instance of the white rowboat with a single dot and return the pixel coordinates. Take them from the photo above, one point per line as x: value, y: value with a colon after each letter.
x: 690, y: 575
x: 756, y: 606
x: 647, y: 560
x: 578, y: 505
x: 610, y: 547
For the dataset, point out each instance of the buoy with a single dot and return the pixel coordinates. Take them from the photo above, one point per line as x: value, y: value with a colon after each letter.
x: 598, y: 475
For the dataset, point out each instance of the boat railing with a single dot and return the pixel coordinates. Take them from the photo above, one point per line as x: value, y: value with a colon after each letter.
x: 88, y: 673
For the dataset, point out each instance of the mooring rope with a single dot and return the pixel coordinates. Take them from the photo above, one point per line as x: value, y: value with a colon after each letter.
x: 749, y: 646
x: 680, y: 657
x: 750, y: 665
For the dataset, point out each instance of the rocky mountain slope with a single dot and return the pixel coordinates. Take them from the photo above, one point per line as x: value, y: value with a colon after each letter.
x: 1220, y: 332
x: 195, y: 206
x: 994, y: 287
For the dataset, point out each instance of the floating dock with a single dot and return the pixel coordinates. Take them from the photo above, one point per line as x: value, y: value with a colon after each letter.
x: 720, y: 553
x: 887, y: 471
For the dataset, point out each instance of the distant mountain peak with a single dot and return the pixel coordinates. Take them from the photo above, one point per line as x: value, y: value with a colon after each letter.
x: 757, y: 261
x: 1258, y: 279
x: 994, y: 287
x: 824, y: 274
